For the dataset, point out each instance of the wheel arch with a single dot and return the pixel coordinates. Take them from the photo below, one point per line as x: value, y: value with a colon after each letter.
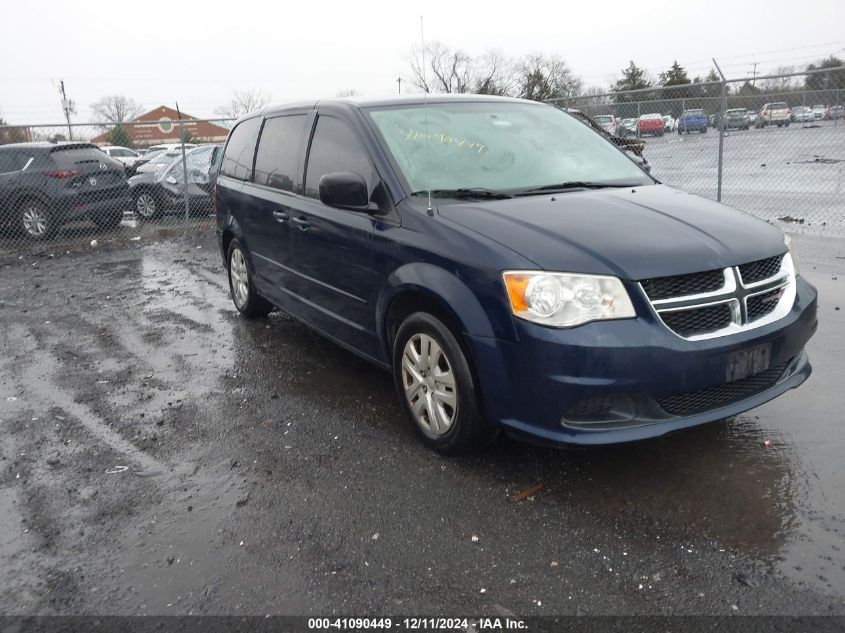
x: 418, y: 286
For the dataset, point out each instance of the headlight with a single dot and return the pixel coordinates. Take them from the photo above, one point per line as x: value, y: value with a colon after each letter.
x: 566, y: 300
x: 788, y: 241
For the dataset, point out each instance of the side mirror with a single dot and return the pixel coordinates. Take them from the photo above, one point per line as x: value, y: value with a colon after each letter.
x: 346, y: 190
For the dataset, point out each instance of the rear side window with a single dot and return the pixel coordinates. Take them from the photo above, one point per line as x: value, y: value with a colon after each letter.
x: 12, y: 161
x: 277, y: 159
x: 240, y: 150
x: 335, y: 147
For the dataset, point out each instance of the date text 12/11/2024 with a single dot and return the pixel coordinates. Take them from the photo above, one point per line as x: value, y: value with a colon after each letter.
x: 417, y: 624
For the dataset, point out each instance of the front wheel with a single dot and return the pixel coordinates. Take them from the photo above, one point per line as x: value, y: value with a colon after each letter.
x: 146, y: 206
x: 246, y: 299
x: 436, y: 387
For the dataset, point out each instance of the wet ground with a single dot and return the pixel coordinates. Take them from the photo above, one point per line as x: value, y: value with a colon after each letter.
x: 161, y: 455
x: 794, y: 175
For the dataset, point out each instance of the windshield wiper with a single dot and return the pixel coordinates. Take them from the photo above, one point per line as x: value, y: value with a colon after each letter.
x: 464, y: 193
x: 574, y: 185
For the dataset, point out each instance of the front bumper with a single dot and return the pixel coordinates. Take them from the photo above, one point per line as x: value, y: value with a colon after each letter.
x: 530, y: 387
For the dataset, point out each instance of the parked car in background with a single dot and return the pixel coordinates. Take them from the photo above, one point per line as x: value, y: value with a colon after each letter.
x: 651, y: 124
x: 170, y: 147
x: 669, y: 123
x: 737, y: 119
x: 693, y: 120
x: 43, y: 186
x: 776, y: 113
x: 121, y: 154
x: 627, y: 127
x: 801, y: 114
x: 833, y: 113
x: 607, y: 122
x: 574, y: 300
x: 159, y: 161
x: 156, y: 192
x: 752, y: 116
x: 818, y: 111
x: 632, y: 145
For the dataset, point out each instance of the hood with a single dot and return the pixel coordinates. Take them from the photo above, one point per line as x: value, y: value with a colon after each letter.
x: 639, y: 233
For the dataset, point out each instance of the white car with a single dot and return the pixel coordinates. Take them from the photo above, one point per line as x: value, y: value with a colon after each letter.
x: 818, y: 112
x: 803, y: 114
x: 169, y: 147
x: 669, y: 123
x: 121, y: 154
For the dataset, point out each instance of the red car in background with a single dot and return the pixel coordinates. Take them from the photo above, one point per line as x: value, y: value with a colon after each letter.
x: 651, y: 124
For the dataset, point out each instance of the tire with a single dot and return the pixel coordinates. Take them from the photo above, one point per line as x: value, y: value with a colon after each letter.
x: 35, y: 219
x: 147, y: 206
x: 441, y: 402
x: 110, y: 220
x: 241, y: 287
x: 704, y: 130
x: 679, y: 131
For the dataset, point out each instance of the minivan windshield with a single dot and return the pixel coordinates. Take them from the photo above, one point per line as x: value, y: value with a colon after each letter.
x: 499, y: 147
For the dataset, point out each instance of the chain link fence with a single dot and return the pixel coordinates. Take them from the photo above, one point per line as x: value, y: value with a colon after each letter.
x: 773, y: 146
x: 65, y: 182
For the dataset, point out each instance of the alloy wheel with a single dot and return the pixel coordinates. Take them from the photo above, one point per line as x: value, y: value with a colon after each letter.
x: 429, y: 384
x: 35, y: 220
x: 240, y: 278
x: 145, y: 205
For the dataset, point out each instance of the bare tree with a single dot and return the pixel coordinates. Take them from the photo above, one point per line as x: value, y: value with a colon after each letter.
x: 495, y: 74
x: 542, y: 77
x: 348, y: 92
x: 115, y: 109
x: 439, y: 68
x: 781, y: 84
x: 242, y: 103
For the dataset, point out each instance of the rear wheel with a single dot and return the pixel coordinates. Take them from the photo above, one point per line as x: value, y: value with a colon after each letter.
x: 36, y: 220
x: 246, y: 299
x: 436, y: 387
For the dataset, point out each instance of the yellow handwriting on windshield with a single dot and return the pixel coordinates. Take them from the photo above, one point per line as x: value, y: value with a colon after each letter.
x: 445, y: 139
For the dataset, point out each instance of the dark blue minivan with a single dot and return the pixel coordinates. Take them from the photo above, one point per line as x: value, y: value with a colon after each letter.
x: 513, y: 269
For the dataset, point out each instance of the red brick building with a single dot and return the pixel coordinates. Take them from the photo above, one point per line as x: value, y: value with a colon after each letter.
x: 162, y: 126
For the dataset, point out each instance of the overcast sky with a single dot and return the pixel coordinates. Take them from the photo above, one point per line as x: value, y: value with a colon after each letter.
x: 198, y: 52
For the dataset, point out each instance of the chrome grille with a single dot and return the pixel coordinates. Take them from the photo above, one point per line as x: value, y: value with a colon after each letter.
x: 760, y: 305
x: 760, y: 270
x: 699, y: 320
x: 680, y: 285
x: 747, y: 296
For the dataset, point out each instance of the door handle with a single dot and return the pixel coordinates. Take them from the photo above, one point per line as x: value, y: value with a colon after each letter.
x: 281, y: 216
x: 302, y: 223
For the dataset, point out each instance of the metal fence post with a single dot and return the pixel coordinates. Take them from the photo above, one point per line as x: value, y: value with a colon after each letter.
x: 184, y: 166
x: 638, y: 119
x: 724, y: 107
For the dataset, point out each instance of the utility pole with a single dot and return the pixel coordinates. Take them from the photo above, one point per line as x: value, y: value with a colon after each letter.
x: 68, y: 106
x: 399, y: 81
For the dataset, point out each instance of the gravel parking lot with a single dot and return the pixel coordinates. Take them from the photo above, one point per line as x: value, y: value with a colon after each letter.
x: 796, y: 172
x: 161, y: 455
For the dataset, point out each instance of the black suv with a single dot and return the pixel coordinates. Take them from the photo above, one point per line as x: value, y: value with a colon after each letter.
x: 46, y: 185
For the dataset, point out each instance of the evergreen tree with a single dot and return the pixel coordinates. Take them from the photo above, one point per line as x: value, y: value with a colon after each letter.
x: 119, y: 136
x: 833, y: 80
x: 633, y: 78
